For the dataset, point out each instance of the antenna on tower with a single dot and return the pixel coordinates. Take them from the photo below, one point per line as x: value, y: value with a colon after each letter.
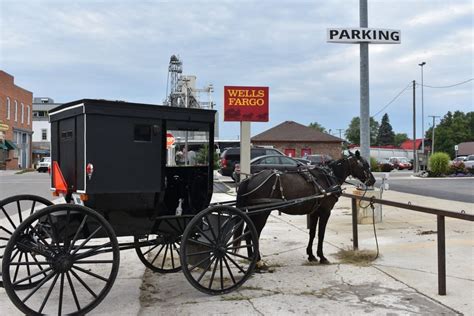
x: 175, y: 69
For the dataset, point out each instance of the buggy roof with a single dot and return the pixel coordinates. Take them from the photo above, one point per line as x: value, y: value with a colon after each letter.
x: 129, y: 109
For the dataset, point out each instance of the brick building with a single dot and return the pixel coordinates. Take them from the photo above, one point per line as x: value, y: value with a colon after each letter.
x: 297, y: 140
x: 16, y: 124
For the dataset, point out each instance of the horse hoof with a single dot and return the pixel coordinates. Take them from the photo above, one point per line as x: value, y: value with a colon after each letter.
x: 312, y: 259
x: 262, y: 267
x: 324, y: 261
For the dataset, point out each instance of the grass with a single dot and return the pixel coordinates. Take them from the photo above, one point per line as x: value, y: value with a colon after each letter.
x: 25, y: 171
x: 357, y: 257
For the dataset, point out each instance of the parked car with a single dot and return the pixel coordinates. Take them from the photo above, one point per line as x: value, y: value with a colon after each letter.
x: 319, y: 160
x: 469, y: 161
x: 401, y: 163
x: 231, y: 156
x: 273, y: 162
x: 385, y: 165
x: 44, y: 164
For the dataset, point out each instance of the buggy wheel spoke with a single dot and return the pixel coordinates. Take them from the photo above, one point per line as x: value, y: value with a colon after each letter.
x: 205, y: 270
x: 32, y: 276
x: 204, y: 235
x: 231, y: 231
x: 240, y: 256
x: 87, y: 240
x: 90, y: 273
x: 46, y: 279
x: 200, y: 243
x: 66, y: 231
x: 198, y: 253
x: 240, y: 247
x: 213, y: 273
x: 6, y: 230
x: 38, y: 264
x: 79, y: 229
x: 19, y: 210
x: 29, y: 263
x: 157, y: 254
x: 83, y: 283
x: 171, y: 253
x: 73, y: 291
x: 8, y: 217
x: 199, y: 263
x: 235, y: 264
x: 164, y: 256
x: 222, y: 273
x: 17, y: 267
x: 32, y: 209
x: 210, y: 227
x: 238, y: 238
x: 61, y: 292
x: 55, y: 237
x: 92, y: 252
x: 219, y: 225
x: 27, y: 266
x: 49, y: 293
x: 228, y: 270
x: 154, y: 247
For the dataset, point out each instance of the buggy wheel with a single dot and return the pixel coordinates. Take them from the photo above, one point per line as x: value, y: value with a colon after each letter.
x: 14, y: 209
x: 209, y: 250
x: 160, y: 253
x: 76, y: 260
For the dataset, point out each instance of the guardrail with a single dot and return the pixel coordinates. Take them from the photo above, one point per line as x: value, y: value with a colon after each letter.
x: 441, y: 215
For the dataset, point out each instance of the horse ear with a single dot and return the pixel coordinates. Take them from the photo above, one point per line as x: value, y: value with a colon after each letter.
x: 357, y: 153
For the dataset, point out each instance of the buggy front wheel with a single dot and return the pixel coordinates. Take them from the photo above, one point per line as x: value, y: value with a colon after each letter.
x: 76, y: 260
x: 159, y: 252
x: 210, y: 246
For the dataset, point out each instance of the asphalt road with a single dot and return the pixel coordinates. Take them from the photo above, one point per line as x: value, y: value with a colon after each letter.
x: 27, y: 183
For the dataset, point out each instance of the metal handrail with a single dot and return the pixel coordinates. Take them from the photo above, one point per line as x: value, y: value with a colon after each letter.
x: 441, y: 235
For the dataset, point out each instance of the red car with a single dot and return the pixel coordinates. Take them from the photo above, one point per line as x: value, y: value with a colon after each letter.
x: 400, y: 163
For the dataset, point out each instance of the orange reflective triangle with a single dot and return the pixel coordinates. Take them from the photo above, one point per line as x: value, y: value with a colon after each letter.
x: 58, y: 180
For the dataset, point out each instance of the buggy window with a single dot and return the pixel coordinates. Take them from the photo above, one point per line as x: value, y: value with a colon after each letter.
x: 142, y: 133
x: 188, y: 148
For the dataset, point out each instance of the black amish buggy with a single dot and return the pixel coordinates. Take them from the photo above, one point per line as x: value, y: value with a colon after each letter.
x: 111, y: 163
x: 114, y: 166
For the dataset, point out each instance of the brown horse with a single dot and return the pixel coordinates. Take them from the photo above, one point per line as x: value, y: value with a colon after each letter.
x: 270, y: 186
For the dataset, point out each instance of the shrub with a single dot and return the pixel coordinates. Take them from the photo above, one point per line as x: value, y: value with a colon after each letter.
x: 374, y: 166
x: 439, y: 164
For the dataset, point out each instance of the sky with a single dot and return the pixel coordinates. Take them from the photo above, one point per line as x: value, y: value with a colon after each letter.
x: 120, y: 50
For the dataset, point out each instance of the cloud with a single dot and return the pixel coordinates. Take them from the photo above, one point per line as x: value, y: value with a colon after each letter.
x: 447, y: 13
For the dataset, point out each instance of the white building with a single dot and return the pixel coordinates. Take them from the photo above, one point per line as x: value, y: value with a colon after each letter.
x: 42, y: 127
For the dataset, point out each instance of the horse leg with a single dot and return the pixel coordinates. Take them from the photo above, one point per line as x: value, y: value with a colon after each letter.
x: 259, y: 221
x: 313, y: 221
x: 323, y: 220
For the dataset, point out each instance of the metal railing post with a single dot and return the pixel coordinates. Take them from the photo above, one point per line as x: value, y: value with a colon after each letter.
x: 441, y: 256
x: 355, y: 234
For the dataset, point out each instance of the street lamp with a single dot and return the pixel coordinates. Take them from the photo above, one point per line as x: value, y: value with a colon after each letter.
x: 422, y: 113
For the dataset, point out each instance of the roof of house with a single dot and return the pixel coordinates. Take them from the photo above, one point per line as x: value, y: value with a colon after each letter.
x: 408, y: 144
x: 290, y: 131
x: 466, y: 148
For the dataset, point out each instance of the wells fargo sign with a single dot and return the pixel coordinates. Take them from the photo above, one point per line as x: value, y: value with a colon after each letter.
x: 246, y: 104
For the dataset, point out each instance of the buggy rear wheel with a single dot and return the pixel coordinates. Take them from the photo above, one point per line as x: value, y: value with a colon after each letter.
x: 14, y: 209
x: 160, y: 252
x: 209, y: 250
x: 76, y: 260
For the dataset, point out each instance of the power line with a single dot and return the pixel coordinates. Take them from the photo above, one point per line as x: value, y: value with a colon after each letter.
x: 393, y: 100
x: 450, y: 86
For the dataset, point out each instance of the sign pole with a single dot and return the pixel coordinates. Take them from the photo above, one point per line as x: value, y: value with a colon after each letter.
x: 244, y: 150
x: 364, y: 86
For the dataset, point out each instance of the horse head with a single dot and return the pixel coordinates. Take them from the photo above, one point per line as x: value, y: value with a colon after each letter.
x: 360, y: 168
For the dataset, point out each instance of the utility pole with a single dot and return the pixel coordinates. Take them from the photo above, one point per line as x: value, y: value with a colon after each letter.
x: 340, y: 132
x: 433, y: 133
x: 364, y: 86
x: 415, y: 156
x: 422, y: 112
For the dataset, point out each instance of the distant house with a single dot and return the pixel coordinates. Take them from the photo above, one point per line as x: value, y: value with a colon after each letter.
x: 42, y: 127
x: 465, y: 149
x: 297, y: 140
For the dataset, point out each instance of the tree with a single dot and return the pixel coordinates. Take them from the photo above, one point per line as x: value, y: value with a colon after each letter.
x: 454, y: 128
x: 353, y: 131
x: 317, y: 127
x: 385, y: 135
x: 399, y: 139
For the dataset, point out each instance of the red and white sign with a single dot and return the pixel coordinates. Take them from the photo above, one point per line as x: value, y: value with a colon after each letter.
x: 169, y: 140
x: 248, y: 104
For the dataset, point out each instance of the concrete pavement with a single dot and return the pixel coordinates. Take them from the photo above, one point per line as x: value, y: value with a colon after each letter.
x: 403, y: 280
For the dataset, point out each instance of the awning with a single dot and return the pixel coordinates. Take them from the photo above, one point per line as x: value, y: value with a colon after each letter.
x: 2, y: 146
x: 10, y: 144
